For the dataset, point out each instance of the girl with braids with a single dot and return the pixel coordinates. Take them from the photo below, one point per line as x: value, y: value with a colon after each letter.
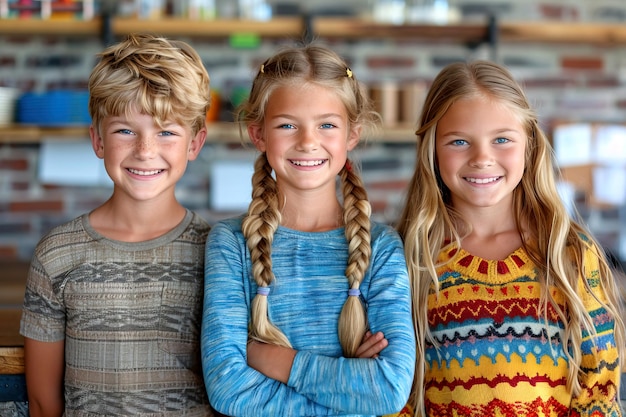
x: 516, y: 307
x: 307, y: 307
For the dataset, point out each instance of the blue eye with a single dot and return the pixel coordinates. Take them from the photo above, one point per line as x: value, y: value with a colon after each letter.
x: 124, y: 131
x: 502, y: 140
x: 166, y: 133
x: 459, y: 142
x: 286, y: 126
x: 327, y: 126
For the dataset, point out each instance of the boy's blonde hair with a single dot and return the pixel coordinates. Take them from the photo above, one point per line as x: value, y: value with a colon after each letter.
x: 555, y: 243
x: 156, y: 76
x: 320, y: 66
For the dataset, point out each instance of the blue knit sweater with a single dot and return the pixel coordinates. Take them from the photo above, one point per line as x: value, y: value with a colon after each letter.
x: 305, y: 302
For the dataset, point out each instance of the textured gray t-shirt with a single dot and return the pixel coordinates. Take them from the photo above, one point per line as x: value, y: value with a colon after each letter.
x: 129, y: 314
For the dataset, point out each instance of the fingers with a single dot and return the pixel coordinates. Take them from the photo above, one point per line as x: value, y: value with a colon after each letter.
x: 372, y: 345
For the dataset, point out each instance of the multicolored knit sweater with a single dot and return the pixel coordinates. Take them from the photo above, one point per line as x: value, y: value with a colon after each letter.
x: 496, y: 357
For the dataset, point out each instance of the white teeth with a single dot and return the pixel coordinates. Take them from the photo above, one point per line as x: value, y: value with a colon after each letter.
x: 145, y: 173
x: 482, y: 180
x: 308, y: 163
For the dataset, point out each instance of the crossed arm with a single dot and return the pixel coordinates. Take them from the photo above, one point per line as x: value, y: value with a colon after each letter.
x: 275, y: 361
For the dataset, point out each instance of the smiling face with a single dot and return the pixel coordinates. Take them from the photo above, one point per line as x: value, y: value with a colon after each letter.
x: 306, y: 136
x: 480, y: 149
x: 145, y: 161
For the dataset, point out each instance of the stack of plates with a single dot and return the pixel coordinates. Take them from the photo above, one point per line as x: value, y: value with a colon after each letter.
x: 8, y: 100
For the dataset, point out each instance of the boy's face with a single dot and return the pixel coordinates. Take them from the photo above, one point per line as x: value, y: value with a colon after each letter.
x: 144, y: 160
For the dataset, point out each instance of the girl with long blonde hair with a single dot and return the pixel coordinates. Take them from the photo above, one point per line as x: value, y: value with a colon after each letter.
x: 515, y: 307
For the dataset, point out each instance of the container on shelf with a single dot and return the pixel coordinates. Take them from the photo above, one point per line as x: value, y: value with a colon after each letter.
x: 8, y: 99
x: 54, y: 108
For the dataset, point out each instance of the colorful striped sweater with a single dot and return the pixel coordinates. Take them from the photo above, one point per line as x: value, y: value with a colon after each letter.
x: 495, y: 356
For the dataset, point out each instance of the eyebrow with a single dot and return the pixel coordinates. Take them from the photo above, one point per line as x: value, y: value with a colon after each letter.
x: 320, y: 116
x: 495, y: 132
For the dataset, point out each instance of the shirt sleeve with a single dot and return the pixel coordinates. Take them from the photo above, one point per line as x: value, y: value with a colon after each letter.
x: 43, y: 314
x: 369, y: 386
x: 233, y: 387
x: 600, y: 374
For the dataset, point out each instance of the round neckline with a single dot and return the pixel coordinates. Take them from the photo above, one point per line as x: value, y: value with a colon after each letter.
x: 495, y: 271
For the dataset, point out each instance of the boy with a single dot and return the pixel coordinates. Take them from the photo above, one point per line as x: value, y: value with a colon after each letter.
x: 112, y: 309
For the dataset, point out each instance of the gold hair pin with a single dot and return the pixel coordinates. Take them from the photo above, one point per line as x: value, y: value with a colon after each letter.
x: 349, y: 72
x: 262, y: 68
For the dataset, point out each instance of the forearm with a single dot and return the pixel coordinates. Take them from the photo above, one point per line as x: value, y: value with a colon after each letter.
x: 37, y: 408
x: 272, y: 361
x: 44, y: 368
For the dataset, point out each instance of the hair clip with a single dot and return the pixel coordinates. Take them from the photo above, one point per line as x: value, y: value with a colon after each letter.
x: 348, y: 165
x: 262, y: 68
x: 349, y: 72
x: 263, y: 291
x: 354, y: 292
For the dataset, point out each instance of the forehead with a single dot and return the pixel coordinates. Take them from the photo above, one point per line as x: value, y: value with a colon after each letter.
x: 305, y: 97
x: 480, y: 113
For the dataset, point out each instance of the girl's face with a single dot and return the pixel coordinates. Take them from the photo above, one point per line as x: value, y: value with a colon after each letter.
x: 306, y: 136
x: 480, y: 148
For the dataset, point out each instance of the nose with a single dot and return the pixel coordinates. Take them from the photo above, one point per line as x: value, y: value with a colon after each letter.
x: 307, y: 140
x: 145, y: 147
x: 481, y: 156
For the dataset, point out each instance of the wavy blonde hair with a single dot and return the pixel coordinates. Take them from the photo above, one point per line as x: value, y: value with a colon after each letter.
x: 156, y: 76
x: 320, y: 66
x: 428, y: 218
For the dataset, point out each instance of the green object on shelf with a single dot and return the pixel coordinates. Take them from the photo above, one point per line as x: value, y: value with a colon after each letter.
x: 244, y: 40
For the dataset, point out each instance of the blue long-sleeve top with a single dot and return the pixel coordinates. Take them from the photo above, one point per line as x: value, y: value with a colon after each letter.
x: 305, y: 301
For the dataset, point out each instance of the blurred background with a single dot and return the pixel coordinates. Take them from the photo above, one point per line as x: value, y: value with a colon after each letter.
x: 570, y: 55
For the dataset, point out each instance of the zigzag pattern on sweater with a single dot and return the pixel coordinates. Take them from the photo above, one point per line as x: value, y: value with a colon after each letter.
x: 497, y: 353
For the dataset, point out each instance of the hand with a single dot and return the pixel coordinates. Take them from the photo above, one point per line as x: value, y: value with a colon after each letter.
x: 371, y: 345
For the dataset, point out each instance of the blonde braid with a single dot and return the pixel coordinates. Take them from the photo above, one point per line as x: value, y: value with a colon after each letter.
x: 356, y: 217
x: 258, y: 228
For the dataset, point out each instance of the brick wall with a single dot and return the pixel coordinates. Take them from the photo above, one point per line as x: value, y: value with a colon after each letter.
x: 565, y: 82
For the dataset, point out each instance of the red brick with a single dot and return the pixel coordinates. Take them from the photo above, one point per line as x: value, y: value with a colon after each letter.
x: 36, y: 205
x: 390, y: 62
x: 582, y: 63
x: 399, y: 184
x: 14, y: 164
x: 599, y: 82
x: 8, y: 252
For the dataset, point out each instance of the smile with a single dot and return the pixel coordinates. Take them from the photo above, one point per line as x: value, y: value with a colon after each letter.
x: 145, y: 173
x: 313, y: 163
x: 482, y: 180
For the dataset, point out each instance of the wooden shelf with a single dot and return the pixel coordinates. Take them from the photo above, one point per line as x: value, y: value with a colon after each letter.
x: 278, y: 27
x: 608, y: 34
x: 50, y: 27
x: 221, y: 132
x: 359, y: 29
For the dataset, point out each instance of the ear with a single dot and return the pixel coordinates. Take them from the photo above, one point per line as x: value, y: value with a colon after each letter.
x: 196, y: 144
x: 255, y: 131
x: 354, y: 136
x: 96, y: 142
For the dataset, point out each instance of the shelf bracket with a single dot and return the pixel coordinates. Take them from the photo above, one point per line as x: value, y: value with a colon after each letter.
x: 490, y: 38
x: 107, y: 13
x: 308, y: 24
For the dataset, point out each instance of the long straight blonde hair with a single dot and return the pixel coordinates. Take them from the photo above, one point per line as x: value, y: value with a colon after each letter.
x: 555, y: 245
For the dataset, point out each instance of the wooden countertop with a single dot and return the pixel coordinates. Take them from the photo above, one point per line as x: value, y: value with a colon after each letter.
x: 11, y: 360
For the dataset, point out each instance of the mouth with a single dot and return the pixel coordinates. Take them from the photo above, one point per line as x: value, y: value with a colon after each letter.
x: 144, y: 173
x: 308, y: 163
x: 481, y: 180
